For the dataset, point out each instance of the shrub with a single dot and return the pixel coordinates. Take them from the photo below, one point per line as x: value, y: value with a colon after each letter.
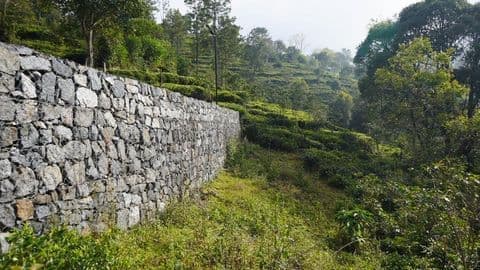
x: 230, y: 97
x: 59, y: 249
x: 275, y: 138
x: 275, y: 119
x: 325, y: 162
x: 235, y: 107
x: 194, y: 91
x: 355, y: 225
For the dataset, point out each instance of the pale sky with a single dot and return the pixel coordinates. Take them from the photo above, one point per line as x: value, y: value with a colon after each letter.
x: 335, y: 24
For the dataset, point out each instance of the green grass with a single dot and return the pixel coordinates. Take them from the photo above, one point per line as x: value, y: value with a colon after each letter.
x: 281, y: 222
x: 265, y: 212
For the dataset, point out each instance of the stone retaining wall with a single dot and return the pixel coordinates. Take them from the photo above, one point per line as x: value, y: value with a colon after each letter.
x: 86, y: 149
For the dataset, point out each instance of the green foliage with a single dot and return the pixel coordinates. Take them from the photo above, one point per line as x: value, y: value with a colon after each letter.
x: 275, y: 138
x: 230, y: 97
x: 236, y: 107
x: 463, y: 134
x: 431, y: 220
x: 60, y: 249
x: 187, y: 86
x: 194, y: 91
x: 417, y: 95
x: 355, y: 225
x: 340, y: 111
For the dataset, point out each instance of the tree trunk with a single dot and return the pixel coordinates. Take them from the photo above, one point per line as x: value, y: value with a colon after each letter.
x: 90, y: 48
x: 197, y: 51
x: 471, y: 102
x: 3, y: 25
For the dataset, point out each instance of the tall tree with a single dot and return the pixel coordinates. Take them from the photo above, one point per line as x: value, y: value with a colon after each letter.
x: 175, y: 26
x: 416, y: 96
x: 229, y: 44
x: 197, y: 24
x: 258, y: 47
x: 340, y: 111
x: 438, y: 20
x: 469, y: 72
x: 92, y: 15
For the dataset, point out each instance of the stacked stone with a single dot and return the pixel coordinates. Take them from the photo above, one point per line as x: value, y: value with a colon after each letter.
x: 86, y: 149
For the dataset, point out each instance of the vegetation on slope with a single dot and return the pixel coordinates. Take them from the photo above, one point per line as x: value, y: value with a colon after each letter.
x: 411, y: 186
x: 264, y: 213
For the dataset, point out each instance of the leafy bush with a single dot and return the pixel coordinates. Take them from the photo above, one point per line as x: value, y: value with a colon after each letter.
x: 355, y: 225
x: 194, y: 91
x: 230, y: 97
x: 431, y: 218
x: 275, y: 138
x: 235, y: 107
x: 326, y: 163
x: 275, y: 119
x: 59, y: 249
x: 166, y: 77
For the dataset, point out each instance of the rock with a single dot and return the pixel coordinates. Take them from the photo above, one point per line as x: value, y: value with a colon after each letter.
x: 25, y: 209
x: 104, y: 101
x: 66, y: 114
x: 55, y: 154
x: 63, y: 133
x: 74, y: 150
x: 80, y: 133
x: 86, y: 98
x: 103, y: 165
x: 50, y: 112
x: 121, y: 150
x: 8, y: 136
x: 4, y: 245
x: 42, y: 211
x: 34, y: 159
x: 80, y: 79
x: 132, y: 89
x: 49, y: 82
x: 35, y: 63
x: 95, y: 82
x: 27, y: 112
x: 110, y: 120
x: 118, y: 104
x: 134, y: 216
x: 83, y: 117
x: 107, y: 134
x: 61, y: 69
x: 7, y: 109
x: 17, y: 158
x: 9, y: 61
x: 83, y: 190
x: 42, y: 199
x: 123, y: 219
x: 29, y: 136
x: 67, y: 90
x: 46, y: 136
x: 28, y: 87
x: 75, y: 173
x: 51, y: 177
x: 7, y: 83
x: 22, y: 50
x: 116, y: 168
x: 118, y: 89
x: 25, y: 182
x: 5, y: 169
x: 93, y: 134
x: 7, y: 217
x: 6, y: 191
